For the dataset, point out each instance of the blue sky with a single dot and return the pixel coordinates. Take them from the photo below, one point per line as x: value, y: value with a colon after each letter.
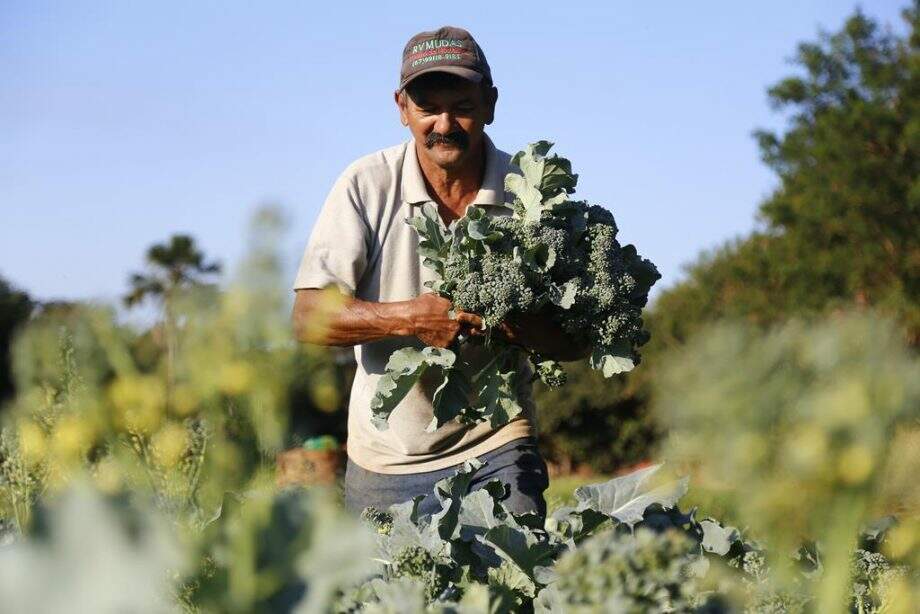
x: 124, y: 122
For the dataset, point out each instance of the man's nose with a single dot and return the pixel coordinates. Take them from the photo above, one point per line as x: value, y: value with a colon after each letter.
x: 444, y: 124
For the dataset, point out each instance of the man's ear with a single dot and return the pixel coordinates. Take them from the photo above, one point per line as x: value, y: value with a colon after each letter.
x: 401, y: 105
x: 491, y: 96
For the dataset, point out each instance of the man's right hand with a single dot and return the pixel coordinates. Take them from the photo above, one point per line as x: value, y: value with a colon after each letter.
x: 433, y: 324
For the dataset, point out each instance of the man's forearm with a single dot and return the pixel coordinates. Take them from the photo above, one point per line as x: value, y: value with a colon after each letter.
x: 329, y: 319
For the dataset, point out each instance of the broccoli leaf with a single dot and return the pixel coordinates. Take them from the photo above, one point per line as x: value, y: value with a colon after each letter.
x: 496, y: 390
x: 398, y: 595
x: 403, y: 370
x: 564, y: 295
x: 450, y: 399
x: 528, y: 195
x: 573, y: 525
x: 611, y: 363
x: 718, y: 539
x: 525, y: 550
x: 557, y: 177
x: 478, y: 513
x: 543, y: 184
x: 478, y: 226
x: 450, y: 492
x: 626, y: 498
x: 540, y: 257
x: 435, y: 240
x: 408, y: 529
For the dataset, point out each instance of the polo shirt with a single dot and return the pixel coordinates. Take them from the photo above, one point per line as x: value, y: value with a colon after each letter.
x: 362, y: 244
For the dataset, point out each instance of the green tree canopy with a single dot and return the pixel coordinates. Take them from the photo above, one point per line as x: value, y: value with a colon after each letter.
x: 173, y: 265
x: 15, y: 309
x: 841, y: 227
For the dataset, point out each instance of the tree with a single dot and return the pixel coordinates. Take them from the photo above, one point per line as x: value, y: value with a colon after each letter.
x: 172, y: 268
x: 15, y: 309
x: 594, y: 422
x: 848, y: 205
x: 841, y: 228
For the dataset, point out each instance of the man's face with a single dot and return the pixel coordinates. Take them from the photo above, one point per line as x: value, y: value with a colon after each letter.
x: 447, y: 116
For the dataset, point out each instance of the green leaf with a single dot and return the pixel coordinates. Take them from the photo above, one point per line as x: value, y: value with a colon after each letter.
x: 550, y: 203
x: 573, y: 526
x: 527, y: 194
x: 539, y: 148
x: 532, y: 165
x: 397, y: 595
x: 564, y: 295
x: 718, y: 539
x: 450, y: 492
x: 549, y: 601
x: 450, y: 399
x: 507, y: 583
x: 626, y: 498
x: 428, y: 225
x: 610, y: 363
x: 403, y: 370
x: 477, y: 514
x: 497, y: 394
x: 409, y: 529
x: 481, y: 230
x: 543, y: 183
x: 434, y: 243
x: 557, y: 176
x: 524, y: 549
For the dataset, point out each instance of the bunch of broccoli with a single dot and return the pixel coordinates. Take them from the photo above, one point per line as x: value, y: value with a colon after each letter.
x: 542, y: 254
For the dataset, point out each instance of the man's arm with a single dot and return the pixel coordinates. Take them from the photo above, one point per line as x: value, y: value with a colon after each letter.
x: 326, y: 317
x: 541, y: 334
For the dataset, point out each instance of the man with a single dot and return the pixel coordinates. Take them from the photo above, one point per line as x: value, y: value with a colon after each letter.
x: 362, y: 245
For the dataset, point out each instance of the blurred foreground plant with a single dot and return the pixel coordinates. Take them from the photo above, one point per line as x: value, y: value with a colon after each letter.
x: 204, y: 416
x: 795, y: 427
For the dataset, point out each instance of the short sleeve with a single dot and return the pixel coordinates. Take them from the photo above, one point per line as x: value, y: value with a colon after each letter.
x: 336, y: 253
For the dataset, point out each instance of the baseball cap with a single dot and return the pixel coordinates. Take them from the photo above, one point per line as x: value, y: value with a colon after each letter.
x: 447, y: 49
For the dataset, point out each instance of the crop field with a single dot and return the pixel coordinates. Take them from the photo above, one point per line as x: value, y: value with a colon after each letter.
x: 167, y: 482
x: 749, y: 442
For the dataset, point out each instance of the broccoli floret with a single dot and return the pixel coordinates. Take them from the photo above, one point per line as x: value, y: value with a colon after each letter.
x: 599, y: 215
x: 506, y: 224
x: 381, y: 521
x: 550, y: 372
x: 640, y: 572
x: 497, y: 289
x: 417, y: 563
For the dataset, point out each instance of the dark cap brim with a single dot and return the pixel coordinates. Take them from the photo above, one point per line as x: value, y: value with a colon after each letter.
x: 460, y: 71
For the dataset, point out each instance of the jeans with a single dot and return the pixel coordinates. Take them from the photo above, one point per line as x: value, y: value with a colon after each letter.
x: 517, y: 463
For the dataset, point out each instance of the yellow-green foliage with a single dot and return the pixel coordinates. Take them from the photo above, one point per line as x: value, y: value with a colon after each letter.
x: 796, y: 426
x: 187, y: 426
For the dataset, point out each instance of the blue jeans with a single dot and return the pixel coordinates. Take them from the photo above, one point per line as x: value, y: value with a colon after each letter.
x: 517, y: 463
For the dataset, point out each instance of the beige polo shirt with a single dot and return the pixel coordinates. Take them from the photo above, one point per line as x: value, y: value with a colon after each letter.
x: 362, y: 244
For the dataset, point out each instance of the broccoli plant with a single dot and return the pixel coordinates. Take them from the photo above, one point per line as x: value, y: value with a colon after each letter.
x: 542, y: 254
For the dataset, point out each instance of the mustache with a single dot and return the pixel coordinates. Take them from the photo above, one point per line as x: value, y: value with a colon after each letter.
x: 458, y: 138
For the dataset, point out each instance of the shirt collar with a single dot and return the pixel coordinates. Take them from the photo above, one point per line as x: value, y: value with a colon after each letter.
x: 491, y: 192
